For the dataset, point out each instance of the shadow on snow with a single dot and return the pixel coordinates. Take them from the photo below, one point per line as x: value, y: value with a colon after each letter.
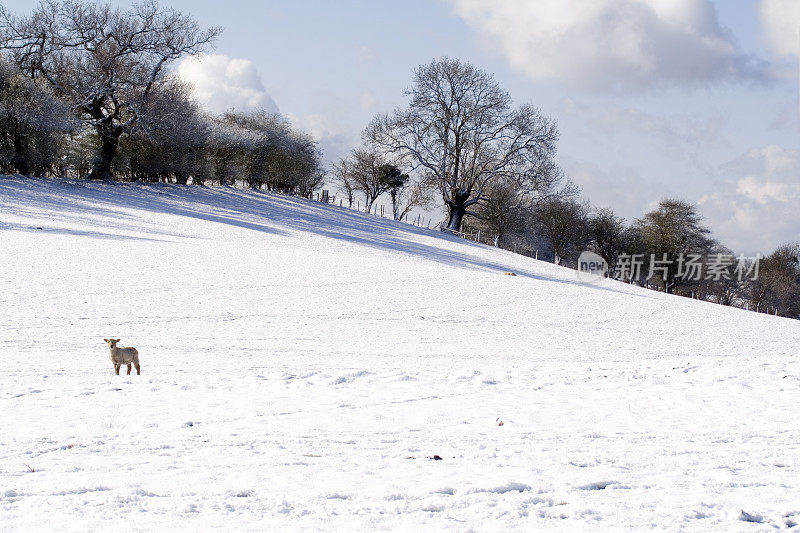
x: 87, y: 201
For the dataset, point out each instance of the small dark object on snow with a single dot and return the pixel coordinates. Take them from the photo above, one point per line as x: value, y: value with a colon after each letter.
x: 510, y: 274
x: 436, y: 458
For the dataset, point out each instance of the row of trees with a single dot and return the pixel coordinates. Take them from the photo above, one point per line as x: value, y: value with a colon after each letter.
x: 492, y: 165
x: 463, y: 141
x: 371, y: 174
x: 676, y: 253
x: 85, y: 91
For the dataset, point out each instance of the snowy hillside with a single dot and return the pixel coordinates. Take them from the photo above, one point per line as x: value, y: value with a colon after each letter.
x: 302, y: 364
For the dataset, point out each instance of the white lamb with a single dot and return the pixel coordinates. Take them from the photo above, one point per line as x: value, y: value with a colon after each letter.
x: 123, y: 356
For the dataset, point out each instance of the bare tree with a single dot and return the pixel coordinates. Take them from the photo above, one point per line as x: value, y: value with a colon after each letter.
x: 674, y: 229
x: 505, y: 213
x: 727, y: 288
x: 105, y: 62
x: 365, y: 174
x: 564, y: 223
x: 412, y: 194
x: 777, y: 289
x: 462, y: 133
x: 607, y: 233
x: 340, y: 174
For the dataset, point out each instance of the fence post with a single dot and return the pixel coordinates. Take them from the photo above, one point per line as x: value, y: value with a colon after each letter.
x: 381, y: 210
x: 478, y: 238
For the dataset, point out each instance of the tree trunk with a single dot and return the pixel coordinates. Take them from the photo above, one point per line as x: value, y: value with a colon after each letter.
x: 20, y: 158
x: 457, y: 208
x: 368, y: 202
x: 109, y: 141
x: 395, y: 207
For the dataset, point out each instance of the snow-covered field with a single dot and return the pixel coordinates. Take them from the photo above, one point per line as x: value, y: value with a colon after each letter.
x: 302, y: 364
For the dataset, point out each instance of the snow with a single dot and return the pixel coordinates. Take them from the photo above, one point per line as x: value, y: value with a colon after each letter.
x: 302, y: 364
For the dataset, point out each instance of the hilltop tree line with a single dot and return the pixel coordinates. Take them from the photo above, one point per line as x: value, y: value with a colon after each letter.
x: 461, y: 142
x: 668, y: 249
x: 86, y: 92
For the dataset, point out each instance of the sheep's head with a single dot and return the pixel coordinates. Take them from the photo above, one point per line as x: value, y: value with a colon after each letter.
x: 112, y: 343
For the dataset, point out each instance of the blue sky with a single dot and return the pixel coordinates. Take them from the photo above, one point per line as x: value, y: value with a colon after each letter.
x: 696, y: 99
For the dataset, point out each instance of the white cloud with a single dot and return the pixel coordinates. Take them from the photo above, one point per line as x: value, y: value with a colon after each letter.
x: 612, y: 44
x: 760, y: 211
x: 781, y: 21
x: 327, y: 127
x: 764, y: 191
x: 222, y: 83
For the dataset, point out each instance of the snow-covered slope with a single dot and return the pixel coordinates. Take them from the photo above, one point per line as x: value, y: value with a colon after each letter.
x: 302, y: 364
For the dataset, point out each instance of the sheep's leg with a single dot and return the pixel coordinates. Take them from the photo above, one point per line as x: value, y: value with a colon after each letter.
x: 129, y: 369
x: 116, y: 368
x: 138, y: 369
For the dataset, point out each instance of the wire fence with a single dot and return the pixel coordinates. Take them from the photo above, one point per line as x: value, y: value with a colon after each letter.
x: 379, y: 210
x: 420, y: 220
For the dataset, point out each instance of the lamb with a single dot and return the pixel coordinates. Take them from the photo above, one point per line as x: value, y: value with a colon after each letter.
x: 123, y: 356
